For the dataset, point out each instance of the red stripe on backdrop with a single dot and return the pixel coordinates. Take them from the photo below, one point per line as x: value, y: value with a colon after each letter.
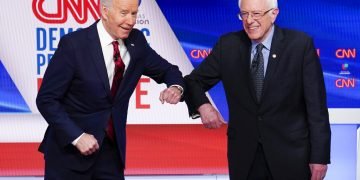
x: 151, y: 149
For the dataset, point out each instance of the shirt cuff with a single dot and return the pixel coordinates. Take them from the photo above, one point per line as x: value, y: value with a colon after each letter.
x: 77, y: 139
x: 179, y: 87
x: 195, y: 115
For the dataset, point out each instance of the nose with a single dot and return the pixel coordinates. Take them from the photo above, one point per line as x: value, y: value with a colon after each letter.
x: 131, y: 20
x: 249, y: 20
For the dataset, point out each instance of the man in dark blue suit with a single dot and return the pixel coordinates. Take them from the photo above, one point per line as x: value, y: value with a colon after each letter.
x: 278, y: 127
x: 85, y: 94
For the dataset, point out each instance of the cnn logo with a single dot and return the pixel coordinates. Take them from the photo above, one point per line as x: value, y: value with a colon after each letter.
x: 79, y: 9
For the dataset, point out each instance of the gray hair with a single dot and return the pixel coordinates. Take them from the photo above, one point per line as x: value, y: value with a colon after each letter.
x: 106, y: 3
x: 271, y: 3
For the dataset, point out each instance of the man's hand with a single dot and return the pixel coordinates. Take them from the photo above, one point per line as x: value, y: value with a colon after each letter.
x: 171, y: 95
x: 210, y: 117
x: 87, y: 144
x: 318, y: 171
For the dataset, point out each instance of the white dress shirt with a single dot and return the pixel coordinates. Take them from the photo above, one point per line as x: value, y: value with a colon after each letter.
x: 108, y: 50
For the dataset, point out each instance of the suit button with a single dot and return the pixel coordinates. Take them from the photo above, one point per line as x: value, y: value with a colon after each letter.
x: 259, y: 118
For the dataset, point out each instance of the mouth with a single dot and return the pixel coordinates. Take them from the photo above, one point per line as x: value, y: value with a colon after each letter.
x: 253, y: 28
x: 125, y: 28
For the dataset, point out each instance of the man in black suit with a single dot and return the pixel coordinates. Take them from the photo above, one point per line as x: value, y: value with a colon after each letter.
x: 85, y: 94
x: 279, y: 126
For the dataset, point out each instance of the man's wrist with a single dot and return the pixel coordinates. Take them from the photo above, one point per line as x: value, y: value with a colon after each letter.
x: 181, y: 89
x: 77, y: 139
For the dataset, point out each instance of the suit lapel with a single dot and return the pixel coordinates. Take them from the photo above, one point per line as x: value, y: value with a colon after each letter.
x: 250, y: 81
x: 246, y: 56
x: 98, y: 58
x: 274, y: 57
x: 131, y: 49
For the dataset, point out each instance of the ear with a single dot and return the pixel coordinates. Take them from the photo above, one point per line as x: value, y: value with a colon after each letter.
x: 104, y: 12
x: 274, y: 14
x: 275, y: 11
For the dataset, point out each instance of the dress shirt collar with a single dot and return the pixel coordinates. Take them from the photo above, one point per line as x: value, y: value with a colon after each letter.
x: 105, y: 38
x: 267, y: 41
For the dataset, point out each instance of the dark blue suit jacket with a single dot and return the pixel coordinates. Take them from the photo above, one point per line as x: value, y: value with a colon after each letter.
x: 291, y: 121
x: 75, y: 94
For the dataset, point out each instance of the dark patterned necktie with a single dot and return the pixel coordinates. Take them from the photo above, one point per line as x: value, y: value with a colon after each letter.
x: 119, y: 71
x: 257, y: 71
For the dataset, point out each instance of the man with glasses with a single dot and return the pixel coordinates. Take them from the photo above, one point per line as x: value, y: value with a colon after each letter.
x: 279, y: 125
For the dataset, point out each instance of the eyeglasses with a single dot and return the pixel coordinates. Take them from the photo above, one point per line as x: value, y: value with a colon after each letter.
x: 255, y: 15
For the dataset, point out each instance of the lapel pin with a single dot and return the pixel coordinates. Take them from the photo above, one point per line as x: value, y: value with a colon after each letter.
x: 274, y: 56
x: 132, y: 44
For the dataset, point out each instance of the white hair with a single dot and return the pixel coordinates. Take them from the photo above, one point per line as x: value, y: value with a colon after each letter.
x: 106, y: 3
x: 271, y: 3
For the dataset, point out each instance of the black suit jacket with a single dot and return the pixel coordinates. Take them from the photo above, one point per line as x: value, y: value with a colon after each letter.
x: 75, y: 94
x: 291, y: 121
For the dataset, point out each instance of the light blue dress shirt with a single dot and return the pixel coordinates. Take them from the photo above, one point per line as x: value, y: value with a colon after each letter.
x: 266, y: 50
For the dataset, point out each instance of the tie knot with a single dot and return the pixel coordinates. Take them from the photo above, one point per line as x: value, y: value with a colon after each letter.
x: 259, y: 47
x: 115, y: 43
x: 116, y: 54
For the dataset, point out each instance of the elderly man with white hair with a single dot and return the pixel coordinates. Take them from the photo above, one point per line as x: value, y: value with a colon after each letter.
x: 278, y: 127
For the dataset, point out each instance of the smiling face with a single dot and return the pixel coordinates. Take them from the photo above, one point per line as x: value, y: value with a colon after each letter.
x: 119, y: 18
x: 258, y: 30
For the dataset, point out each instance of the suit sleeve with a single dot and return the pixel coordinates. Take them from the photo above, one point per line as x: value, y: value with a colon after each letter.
x: 159, y: 69
x: 316, y: 107
x: 201, y: 79
x: 56, y: 82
